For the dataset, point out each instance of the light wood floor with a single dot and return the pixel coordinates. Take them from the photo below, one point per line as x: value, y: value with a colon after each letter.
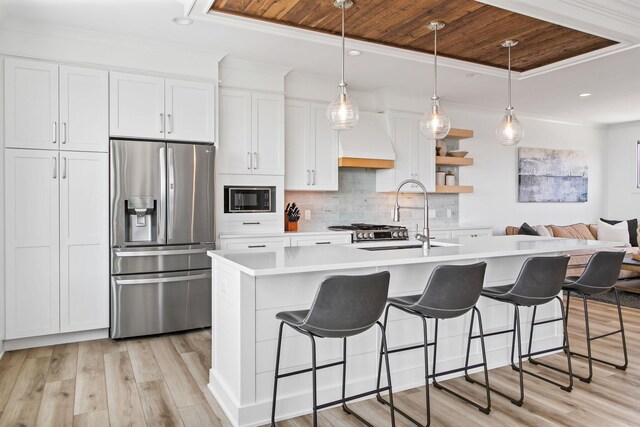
x: 162, y: 381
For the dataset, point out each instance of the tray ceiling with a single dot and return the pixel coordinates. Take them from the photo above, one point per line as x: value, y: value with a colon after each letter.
x: 473, y: 32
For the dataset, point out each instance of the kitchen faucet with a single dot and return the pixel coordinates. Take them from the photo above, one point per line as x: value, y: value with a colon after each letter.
x: 424, y: 237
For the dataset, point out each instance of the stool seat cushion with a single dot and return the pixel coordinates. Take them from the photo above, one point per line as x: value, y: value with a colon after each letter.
x: 293, y: 318
x: 585, y: 289
x: 404, y: 301
x: 502, y: 293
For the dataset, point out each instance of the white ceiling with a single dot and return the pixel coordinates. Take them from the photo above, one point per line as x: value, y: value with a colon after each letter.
x: 613, y: 79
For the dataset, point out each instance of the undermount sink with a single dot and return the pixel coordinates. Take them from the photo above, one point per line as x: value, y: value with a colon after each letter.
x: 393, y: 248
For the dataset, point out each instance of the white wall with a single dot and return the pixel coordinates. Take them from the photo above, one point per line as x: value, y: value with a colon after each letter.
x: 2, y: 275
x: 495, y: 172
x: 623, y: 195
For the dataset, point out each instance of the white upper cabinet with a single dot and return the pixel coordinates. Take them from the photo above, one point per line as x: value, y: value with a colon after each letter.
x: 137, y: 106
x: 415, y: 155
x: 84, y: 245
x: 190, y: 110
x: 234, y: 150
x: 56, y: 107
x: 153, y: 107
x: 311, y: 148
x: 31, y: 104
x: 84, y: 109
x: 32, y: 254
x: 251, y: 133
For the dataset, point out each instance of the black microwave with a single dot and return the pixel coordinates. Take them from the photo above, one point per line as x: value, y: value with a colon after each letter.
x: 247, y: 199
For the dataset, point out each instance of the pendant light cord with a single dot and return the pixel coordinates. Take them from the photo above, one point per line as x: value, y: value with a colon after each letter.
x: 435, y: 63
x: 509, y: 83
x: 343, y: 47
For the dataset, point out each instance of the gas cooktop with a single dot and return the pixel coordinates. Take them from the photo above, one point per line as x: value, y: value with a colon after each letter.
x: 371, y: 232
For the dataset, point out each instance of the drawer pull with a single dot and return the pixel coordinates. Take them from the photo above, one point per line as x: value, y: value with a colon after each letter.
x: 257, y: 246
x: 323, y: 243
x: 251, y: 223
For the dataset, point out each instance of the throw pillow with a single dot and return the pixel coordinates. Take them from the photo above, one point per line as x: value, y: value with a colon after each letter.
x: 613, y: 233
x: 542, y: 231
x: 632, y: 225
x: 527, y: 230
x: 575, y: 231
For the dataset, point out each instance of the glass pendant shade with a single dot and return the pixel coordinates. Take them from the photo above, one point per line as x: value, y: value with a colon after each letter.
x: 343, y: 112
x: 435, y: 124
x: 510, y: 131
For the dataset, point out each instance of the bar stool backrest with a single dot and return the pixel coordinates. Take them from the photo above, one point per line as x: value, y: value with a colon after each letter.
x: 452, y: 290
x: 602, y: 270
x: 540, y: 280
x: 347, y: 305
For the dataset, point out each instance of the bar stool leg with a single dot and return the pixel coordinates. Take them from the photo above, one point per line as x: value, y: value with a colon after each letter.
x: 386, y: 358
x: 382, y: 351
x: 520, y: 370
x: 484, y: 360
x: 275, y: 378
x: 315, y: 385
x: 624, y: 340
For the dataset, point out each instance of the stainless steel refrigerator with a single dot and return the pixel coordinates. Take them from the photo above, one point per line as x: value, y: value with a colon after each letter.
x: 161, y: 228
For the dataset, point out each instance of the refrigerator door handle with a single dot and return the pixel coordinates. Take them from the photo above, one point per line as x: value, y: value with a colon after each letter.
x: 162, y: 209
x: 170, y: 193
x: 124, y: 254
x: 161, y: 280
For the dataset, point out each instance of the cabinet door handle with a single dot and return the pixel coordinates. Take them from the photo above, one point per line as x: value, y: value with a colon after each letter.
x: 55, y: 168
x: 64, y: 168
x: 248, y: 160
x: 64, y: 132
x: 161, y: 123
x: 308, y: 177
x: 323, y: 243
x: 313, y: 177
x: 257, y: 246
x: 251, y: 223
x: 54, y: 132
x: 169, y: 123
x: 255, y: 160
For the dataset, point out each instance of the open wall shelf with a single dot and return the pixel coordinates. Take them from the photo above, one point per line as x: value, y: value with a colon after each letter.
x: 453, y: 161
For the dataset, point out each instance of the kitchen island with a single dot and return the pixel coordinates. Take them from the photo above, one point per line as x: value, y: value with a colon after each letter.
x: 251, y: 286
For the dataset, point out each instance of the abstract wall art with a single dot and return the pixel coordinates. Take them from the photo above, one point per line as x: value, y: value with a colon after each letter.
x: 546, y: 175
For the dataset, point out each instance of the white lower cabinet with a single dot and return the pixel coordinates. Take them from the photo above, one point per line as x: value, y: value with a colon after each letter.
x: 56, y: 226
x: 254, y: 242
x: 285, y: 240
x: 454, y: 233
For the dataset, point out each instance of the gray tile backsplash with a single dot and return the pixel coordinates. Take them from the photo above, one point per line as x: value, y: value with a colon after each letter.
x: 357, y: 201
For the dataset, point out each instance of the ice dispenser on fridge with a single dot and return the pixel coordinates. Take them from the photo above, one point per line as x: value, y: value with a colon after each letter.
x: 141, y: 219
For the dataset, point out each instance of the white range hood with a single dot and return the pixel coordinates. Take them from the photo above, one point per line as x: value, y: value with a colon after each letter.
x: 368, y: 145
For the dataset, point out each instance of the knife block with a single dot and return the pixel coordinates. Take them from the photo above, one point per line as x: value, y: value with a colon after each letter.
x: 290, y: 226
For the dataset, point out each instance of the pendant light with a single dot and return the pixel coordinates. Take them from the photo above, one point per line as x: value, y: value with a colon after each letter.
x: 510, y: 131
x: 435, y: 124
x: 343, y: 113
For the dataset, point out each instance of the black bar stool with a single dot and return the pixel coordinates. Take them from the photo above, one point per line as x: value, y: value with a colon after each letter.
x: 452, y: 291
x: 599, y: 276
x: 539, y: 282
x: 344, y: 306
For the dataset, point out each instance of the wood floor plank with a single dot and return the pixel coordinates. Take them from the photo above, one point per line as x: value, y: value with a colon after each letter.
x: 112, y: 346
x: 92, y: 419
x: 183, y: 388
x: 10, y: 367
x: 57, y: 404
x: 90, y: 358
x: 157, y: 404
x: 64, y: 362
x: 199, y: 372
x: 91, y: 393
x: 197, y: 416
x: 23, y: 404
x: 181, y: 343
x: 122, y: 395
x: 34, y: 353
x: 145, y: 366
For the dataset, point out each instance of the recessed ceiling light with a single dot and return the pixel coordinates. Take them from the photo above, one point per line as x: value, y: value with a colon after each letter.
x: 182, y: 20
x: 584, y: 95
x: 354, y: 52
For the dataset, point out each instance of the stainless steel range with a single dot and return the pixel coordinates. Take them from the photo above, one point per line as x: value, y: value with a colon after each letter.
x: 373, y: 232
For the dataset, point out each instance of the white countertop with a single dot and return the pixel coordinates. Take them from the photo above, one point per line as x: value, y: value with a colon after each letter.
x: 274, y: 261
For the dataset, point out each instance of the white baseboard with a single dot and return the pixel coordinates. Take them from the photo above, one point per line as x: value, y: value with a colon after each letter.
x: 22, y: 343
